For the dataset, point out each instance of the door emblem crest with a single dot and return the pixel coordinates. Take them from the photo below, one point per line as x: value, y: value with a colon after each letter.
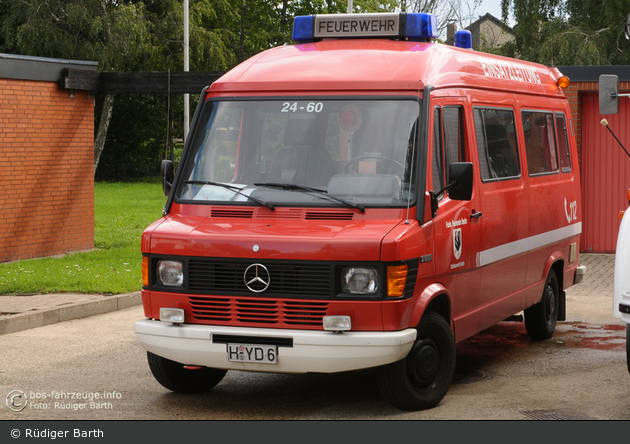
x: 457, y: 243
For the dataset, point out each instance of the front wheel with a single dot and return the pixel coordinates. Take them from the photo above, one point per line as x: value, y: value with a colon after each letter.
x: 540, y: 319
x: 173, y: 376
x: 421, y: 380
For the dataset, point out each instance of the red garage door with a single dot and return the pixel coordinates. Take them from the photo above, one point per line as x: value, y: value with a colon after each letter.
x: 605, y: 174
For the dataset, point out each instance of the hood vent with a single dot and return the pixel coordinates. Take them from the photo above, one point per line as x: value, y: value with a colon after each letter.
x: 281, y: 213
x: 232, y: 212
x: 329, y: 215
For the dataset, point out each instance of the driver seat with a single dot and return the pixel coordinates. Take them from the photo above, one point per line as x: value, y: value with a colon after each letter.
x: 301, y: 161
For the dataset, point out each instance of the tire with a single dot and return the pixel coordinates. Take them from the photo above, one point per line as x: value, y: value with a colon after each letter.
x: 541, y: 319
x: 628, y: 346
x: 421, y: 380
x: 173, y: 376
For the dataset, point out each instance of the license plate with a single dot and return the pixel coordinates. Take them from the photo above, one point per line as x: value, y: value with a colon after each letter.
x: 261, y: 354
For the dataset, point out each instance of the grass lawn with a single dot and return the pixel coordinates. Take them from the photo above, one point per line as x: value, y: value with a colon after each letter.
x: 121, y: 212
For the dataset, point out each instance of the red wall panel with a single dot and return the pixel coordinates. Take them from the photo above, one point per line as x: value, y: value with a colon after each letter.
x: 605, y: 174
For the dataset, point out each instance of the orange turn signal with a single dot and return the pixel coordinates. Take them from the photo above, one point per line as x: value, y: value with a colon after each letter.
x: 563, y: 82
x: 396, y: 280
x: 145, y: 271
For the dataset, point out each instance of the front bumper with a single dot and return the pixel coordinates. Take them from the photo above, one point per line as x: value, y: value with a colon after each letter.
x: 312, y: 351
x: 624, y: 307
x: 580, y: 271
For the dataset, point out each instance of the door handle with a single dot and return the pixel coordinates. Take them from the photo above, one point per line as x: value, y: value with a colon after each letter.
x: 475, y: 214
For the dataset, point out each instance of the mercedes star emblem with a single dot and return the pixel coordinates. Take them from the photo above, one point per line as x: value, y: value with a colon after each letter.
x: 256, y: 278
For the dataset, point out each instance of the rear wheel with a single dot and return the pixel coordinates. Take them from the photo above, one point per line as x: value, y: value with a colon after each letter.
x: 421, y: 380
x: 173, y: 376
x: 541, y: 319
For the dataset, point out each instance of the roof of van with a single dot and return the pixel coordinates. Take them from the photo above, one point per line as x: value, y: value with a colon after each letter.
x: 387, y: 66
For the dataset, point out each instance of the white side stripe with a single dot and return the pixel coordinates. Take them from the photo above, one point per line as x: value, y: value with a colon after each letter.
x: 524, y: 245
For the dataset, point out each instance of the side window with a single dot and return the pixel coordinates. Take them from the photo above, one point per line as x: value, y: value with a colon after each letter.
x: 540, y: 142
x: 496, y: 144
x: 448, y: 146
x: 563, y: 143
x: 438, y: 152
x: 453, y: 135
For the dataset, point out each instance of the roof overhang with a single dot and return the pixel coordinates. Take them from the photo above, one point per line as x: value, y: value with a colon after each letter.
x: 39, y: 68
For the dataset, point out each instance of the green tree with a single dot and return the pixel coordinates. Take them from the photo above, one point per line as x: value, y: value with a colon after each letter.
x: 568, y: 32
x: 121, y: 36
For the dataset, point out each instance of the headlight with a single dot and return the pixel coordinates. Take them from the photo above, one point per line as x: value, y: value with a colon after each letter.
x: 337, y: 324
x: 359, y: 280
x: 170, y: 273
x: 174, y: 315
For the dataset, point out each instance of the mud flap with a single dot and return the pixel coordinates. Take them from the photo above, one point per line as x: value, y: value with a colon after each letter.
x: 562, y: 309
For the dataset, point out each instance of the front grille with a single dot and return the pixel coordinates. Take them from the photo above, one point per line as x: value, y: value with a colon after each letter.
x: 257, y: 311
x: 286, y: 279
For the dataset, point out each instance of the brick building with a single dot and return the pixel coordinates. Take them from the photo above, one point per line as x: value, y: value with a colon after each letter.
x: 488, y: 32
x: 46, y: 160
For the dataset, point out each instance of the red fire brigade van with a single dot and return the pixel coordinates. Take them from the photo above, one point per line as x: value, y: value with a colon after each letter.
x: 365, y: 198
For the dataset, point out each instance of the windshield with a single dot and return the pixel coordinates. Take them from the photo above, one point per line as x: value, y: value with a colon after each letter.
x: 320, y: 152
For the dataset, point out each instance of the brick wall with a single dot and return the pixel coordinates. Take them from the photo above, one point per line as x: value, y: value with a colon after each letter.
x: 46, y: 170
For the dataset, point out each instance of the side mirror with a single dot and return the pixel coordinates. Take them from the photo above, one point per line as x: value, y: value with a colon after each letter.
x: 167, y: 176
x: 608, y: 94
x: 461, y: 186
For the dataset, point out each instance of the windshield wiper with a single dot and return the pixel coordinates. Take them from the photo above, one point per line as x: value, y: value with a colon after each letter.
x: 236, y: 190
x: 292, y: 186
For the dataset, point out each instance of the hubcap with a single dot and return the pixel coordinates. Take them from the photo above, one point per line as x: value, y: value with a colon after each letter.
x: 425, y: 363
x: 551, y: 304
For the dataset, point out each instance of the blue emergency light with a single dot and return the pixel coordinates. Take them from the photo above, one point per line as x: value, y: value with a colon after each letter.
x: 463, y: 39
x: 412, y: 26
x: 421, y: 26
x: 303, y: 28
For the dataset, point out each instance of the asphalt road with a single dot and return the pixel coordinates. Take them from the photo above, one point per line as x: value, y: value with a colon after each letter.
x: 94, y: 369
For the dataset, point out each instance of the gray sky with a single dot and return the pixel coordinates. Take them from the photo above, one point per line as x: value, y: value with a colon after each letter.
x: 494, y: 8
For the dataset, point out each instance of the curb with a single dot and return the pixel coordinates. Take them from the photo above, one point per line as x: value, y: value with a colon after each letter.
x: 39, y: 318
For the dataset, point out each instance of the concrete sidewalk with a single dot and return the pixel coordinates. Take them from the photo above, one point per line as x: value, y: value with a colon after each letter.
x: 30, y: 311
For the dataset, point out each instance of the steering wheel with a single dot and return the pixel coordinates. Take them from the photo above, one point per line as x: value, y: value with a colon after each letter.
x: 356, y: 160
